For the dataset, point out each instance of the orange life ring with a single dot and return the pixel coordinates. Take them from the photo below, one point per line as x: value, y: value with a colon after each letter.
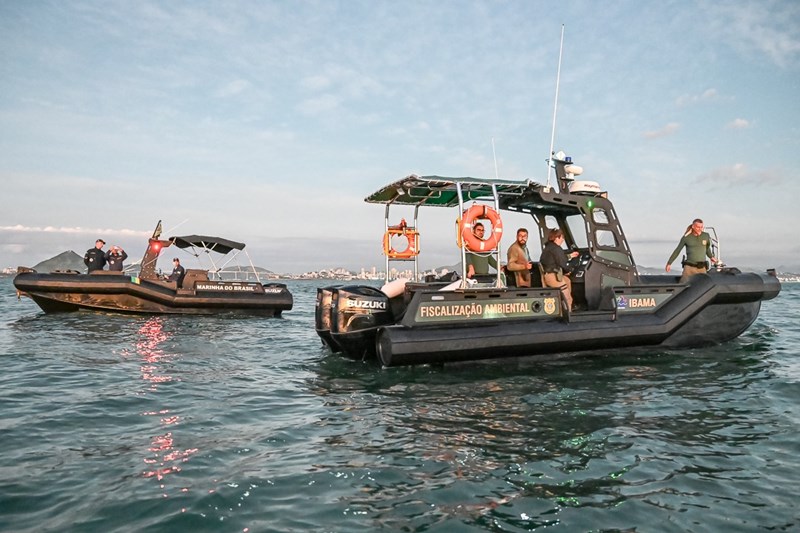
x: 478, y: 212
x: 412, y: 238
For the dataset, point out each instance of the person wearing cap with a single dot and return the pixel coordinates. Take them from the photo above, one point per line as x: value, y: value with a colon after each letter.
x: 178, y: 272
x: 115, y: 257
x: 95, y: 258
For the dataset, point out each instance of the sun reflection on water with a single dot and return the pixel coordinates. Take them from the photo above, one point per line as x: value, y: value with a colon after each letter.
x: 163, y: 458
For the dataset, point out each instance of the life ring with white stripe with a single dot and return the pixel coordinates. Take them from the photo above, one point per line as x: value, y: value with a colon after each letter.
x: 480, y: 212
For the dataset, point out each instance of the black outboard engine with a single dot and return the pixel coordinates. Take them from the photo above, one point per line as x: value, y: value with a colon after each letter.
x: 323, y: 316
x: 357, y: 311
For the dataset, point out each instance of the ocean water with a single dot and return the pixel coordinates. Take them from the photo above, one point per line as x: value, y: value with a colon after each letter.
x: 125, y: 423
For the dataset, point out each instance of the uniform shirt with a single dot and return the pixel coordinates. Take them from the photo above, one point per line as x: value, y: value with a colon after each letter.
x: 698, y: 247
x: 481, y: 263
x: 115, y: 260
x: 95, y: 259
x: 553, y: 258
x: 178, y: 274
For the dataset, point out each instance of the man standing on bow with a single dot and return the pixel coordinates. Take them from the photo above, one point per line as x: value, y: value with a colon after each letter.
x: 115, y: 257
x: 95, y: 258
x: 698, y: 247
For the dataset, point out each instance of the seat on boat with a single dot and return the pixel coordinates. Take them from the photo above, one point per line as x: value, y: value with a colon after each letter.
x: 395, y: 287
x: 536, y: 276
x: 192, y: 276
x: 511, y: 279
x: 540, y: 268
x: 447, y: 277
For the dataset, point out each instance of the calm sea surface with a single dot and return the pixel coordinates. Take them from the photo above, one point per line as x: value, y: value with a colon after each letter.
x: 120, y: 423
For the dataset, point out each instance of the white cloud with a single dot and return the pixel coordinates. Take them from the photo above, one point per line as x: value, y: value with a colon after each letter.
x: 739, y: 174
x: 233, y: 88
x: 768, y: 28
x: 73, y: 230
x: 320, y: 105
x: 689, y: 99
x: 666, y: 131
x: 315, y: 83
x: 739, y: 124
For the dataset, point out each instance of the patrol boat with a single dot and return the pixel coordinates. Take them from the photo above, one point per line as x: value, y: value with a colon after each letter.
x: 440, y: 320
x: 201, y: 292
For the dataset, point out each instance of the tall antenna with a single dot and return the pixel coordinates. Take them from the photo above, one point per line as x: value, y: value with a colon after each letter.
x: 495, y: 161
x: 555, y: 108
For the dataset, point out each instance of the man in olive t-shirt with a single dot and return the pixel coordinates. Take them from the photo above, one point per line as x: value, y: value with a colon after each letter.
x: 698, y: 246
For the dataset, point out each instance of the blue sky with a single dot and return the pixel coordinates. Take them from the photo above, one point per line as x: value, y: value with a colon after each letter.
x: 269, y: 122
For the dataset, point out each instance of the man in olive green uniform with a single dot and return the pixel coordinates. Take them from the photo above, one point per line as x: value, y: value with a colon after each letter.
x: 478, y: 265
x: 698, y: 247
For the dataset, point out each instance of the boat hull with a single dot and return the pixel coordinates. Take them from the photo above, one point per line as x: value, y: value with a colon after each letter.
x: 711, y: 309
x: 107, y: 291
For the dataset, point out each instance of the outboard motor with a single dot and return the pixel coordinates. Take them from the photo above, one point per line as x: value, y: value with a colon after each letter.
x: 357, y: 312
x: 323, y: 316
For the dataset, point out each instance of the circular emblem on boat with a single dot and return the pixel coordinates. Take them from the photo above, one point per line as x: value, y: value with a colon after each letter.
x: 549, y: 305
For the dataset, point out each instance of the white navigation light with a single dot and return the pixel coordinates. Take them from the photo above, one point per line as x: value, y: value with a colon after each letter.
x: 573, y: 170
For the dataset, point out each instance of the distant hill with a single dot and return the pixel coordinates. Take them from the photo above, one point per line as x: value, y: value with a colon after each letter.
x: 68, y: 260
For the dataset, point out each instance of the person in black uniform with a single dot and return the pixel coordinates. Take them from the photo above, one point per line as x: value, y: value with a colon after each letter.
x: 178, y: 272
x: 95, y: 258
x: 554, y: 265
x: 115, y: 257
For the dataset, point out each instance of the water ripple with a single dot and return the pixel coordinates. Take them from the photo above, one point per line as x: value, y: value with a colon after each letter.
x: 120, y: 423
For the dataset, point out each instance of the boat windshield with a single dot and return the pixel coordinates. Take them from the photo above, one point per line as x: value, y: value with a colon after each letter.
x: 577, y: 228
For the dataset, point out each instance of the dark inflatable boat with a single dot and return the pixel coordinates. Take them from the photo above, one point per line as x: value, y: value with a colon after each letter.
x: 200, y: 292
x: 454, y: 319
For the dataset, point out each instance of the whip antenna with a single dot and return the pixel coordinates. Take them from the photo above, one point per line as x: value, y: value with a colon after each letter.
x: 173, y: 228
x: 555, y: 109
x: 495, y: 161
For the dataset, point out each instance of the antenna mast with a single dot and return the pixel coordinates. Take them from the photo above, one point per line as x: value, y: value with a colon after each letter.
x: 555, y: 108
x: 495, y: 161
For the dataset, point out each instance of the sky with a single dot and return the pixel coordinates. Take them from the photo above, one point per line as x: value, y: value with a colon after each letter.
x: 269, y: 122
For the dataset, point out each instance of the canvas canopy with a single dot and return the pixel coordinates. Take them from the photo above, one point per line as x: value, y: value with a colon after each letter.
x: 215, y: 244
x: 442, y: 192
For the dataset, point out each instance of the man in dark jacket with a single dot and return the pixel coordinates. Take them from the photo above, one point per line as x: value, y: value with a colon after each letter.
x: 178, y: 272
x: 95, y: 258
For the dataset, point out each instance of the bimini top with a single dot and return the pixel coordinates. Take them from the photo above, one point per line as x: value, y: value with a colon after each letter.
x: 442, y: 192
x: 214, y: 244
